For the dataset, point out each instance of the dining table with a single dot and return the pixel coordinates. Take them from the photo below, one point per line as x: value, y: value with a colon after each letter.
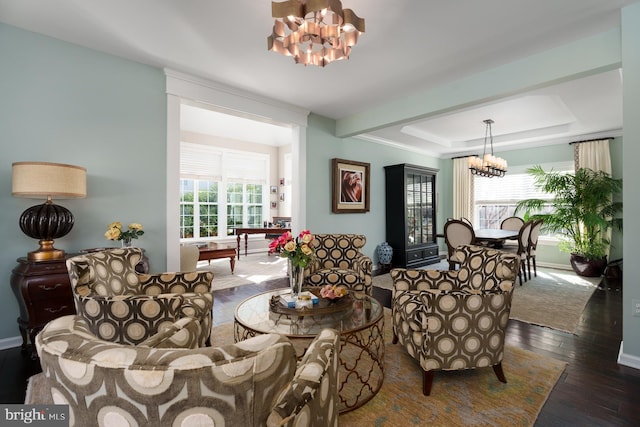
x: 495, y: 237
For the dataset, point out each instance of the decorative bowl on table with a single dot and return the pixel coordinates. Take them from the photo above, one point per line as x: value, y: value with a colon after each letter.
x: 333, y: 293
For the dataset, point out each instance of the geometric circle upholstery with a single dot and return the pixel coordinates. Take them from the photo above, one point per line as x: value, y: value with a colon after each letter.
x: 451, y: 320
x: 126, y: 307
x: 338, y: 261
x: 106, y: 384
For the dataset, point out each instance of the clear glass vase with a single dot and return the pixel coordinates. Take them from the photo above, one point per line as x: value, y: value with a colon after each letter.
x: 296, y: 275
x: 126, y: 243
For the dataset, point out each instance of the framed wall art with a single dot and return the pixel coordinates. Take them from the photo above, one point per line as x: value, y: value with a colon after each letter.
x: 350, y: 187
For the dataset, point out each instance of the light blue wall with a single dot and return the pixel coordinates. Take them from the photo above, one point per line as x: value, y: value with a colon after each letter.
x: 631, y: 174
x: 67, y: 104
x: 322, y: 146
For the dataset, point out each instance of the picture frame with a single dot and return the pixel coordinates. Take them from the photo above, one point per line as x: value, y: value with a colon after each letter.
x: 274, y: 205
x: 274, y: 189
x: 350, y: 186
x: 282, y: 197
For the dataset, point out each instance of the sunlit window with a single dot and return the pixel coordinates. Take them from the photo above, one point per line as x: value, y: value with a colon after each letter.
x: 496, y: 198
x: 220, y: 190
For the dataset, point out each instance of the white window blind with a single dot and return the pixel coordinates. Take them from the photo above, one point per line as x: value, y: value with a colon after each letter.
x: 247, y: 168
x: 200, y: 162
x: 514, y: 186
x: 205, y: 162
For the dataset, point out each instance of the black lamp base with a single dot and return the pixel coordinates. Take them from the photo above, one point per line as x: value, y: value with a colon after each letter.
x: 46, y: 222
x: 46, y: 252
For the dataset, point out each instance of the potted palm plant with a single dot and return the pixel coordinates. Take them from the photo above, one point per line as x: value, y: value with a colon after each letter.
x: 583, y: 210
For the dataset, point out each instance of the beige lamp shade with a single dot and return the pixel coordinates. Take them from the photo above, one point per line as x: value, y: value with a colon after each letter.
x: 47, y: 221
x: 42, y: 179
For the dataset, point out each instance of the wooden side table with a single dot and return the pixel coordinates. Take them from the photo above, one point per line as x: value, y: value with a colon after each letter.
x: 217, y: 251
x: 44, y: 293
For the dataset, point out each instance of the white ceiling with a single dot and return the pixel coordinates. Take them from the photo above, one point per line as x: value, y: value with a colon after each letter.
x: 408, y: 46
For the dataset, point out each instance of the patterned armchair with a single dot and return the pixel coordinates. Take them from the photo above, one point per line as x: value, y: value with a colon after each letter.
x: 450, y: 320
x: 256, y: 382
x: 338, y: 261
x: 123, y: 306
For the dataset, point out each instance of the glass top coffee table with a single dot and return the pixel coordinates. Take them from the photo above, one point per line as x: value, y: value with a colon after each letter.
x: 360, y: 321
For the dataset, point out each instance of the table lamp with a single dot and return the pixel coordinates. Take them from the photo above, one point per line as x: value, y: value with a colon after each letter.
x: 47, y: 221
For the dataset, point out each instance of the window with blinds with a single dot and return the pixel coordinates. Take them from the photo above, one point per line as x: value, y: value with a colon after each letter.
x: 496, y: 198
x: 220, y: 190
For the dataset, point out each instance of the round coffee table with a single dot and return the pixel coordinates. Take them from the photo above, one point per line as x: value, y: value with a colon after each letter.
x: 361, y: 327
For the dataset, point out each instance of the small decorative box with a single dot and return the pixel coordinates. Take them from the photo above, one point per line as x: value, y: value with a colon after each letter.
x: 288, y: 301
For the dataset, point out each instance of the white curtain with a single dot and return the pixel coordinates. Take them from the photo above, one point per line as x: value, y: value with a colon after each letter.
x: 462, y: 189
x: 594, y: 155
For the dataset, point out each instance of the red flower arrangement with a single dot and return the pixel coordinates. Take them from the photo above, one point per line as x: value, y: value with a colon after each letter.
x: 299, y: 250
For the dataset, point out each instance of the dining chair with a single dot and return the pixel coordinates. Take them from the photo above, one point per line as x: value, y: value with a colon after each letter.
x: 531, y: 247
x: 465, y: 220
x: 457, y: 233
x: 522, y: 250
x: 511, y: 223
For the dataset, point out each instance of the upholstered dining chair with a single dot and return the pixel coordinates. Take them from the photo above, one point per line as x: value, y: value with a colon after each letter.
x: 339, y: 261
x: 522, y: 249
x: 513, y: 223
x: 123, y: 306
x: 456, y: 319
x: 466, y: 220
x: 456, y: 233
x: 533, y: 244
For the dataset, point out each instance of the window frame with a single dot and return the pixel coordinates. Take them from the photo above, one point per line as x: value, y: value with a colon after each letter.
x: 518, y: 170
x: 224, y: 176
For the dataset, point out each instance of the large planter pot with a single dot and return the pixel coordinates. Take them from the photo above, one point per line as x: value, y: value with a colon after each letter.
x: 588, y: 267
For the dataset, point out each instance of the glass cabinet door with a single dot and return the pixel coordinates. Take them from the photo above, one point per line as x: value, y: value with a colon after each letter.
x: 419, y: 209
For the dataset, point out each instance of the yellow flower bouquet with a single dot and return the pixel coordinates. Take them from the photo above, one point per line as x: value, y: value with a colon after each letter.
x: 115, y: 231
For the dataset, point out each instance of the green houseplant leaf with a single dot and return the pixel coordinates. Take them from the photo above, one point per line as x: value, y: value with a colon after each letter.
x: 584, y: 208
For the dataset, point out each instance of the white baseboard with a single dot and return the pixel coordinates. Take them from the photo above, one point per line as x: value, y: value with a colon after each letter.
x: 556, y: 266
x: 6, y: 343
x: 627, y: 359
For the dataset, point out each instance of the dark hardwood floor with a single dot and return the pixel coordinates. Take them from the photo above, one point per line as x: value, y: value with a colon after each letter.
x: 593, y: 390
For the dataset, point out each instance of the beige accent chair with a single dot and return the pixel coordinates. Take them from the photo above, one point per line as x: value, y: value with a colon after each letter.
x: 123, y: 306
x: 457, y: 233
x: 339, y: 261
x: 456, y: 319
x: 189, y: 255
x: 257, y: 382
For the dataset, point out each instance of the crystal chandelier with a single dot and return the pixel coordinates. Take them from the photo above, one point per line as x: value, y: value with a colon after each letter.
x: 315, y: 32
x: 489, y: 165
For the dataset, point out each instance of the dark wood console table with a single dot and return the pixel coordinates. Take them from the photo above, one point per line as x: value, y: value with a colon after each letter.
x: 44, y: 293
x: 255, y: 230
